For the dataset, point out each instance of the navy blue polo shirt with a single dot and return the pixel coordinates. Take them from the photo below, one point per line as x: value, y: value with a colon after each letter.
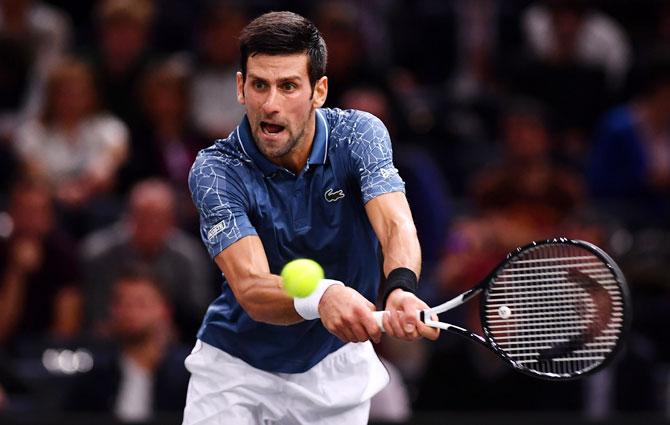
x: 318, y: 214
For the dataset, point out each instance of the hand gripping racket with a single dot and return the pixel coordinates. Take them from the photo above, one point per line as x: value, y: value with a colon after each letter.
x: 555, y: 309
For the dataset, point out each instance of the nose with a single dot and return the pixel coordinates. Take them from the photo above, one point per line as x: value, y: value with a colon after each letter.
x: 271, y: 104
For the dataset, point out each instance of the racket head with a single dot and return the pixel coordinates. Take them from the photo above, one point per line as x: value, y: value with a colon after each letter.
x: 556, y: 309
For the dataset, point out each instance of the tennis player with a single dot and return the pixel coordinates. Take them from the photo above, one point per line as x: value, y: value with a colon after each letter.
x: 295, y: 180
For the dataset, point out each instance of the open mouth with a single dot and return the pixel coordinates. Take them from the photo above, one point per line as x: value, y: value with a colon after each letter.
x: 270, y: 128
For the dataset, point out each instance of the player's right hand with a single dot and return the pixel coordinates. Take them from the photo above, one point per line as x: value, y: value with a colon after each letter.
x: 348, y: 315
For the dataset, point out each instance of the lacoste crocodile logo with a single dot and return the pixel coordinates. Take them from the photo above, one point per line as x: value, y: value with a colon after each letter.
x: 332, y: 196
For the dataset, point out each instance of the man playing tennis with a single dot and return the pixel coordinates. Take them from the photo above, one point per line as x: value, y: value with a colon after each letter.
x: 294, y: 180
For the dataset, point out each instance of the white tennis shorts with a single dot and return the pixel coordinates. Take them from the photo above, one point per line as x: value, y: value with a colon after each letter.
x: 226, y: 390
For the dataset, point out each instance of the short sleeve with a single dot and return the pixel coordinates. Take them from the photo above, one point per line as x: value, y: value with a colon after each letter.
x: 372, y: 156
x: 221, y: 200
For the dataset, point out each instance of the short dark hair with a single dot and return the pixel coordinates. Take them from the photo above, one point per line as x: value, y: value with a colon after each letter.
x: 284, y: 33
x: 136, y: 271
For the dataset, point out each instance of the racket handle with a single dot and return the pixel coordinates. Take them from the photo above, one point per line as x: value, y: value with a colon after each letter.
x: 379, y: 315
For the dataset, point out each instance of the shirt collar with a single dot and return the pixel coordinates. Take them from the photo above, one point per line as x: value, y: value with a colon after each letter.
x: 318, y: 155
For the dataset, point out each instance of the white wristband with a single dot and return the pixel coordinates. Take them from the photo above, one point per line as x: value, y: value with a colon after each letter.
x: 308, y: 307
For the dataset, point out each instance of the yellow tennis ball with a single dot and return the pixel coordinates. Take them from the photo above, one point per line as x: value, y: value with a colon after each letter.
x: 301, y: 277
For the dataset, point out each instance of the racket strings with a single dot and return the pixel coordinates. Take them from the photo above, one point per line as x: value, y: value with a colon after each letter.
x: 556, y: 309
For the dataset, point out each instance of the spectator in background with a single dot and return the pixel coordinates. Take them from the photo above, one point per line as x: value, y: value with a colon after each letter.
x: 558, y: 28
x: 122, y: 54
x: 524, y: 196
x: 148, y: 235
x: 630, y: 161
x: 166, y: 143
x: 141, y: 374
x: 568, y: 67
x: 33, y: 37
x: 74, y: 146
x: 526, y: 178
x: 39, y: 293
x: 348, y: 65
x: 215, y: 109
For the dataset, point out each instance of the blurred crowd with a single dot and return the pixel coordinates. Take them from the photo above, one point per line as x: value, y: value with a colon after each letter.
x: 512, y: 120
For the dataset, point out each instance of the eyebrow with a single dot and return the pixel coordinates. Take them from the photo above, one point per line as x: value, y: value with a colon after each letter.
x: 282, y: 79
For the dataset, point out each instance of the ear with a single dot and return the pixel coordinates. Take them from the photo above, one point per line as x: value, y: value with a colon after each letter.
x: 240, y: 87
x: 320, y: 92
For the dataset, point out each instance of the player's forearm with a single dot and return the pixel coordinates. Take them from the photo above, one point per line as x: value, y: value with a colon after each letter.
x: 401, y: 247
x: 260, y: 293
x: 264, y: 299
x: 391, y: 219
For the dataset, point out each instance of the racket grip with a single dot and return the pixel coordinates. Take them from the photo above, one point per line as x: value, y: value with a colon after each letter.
x: 379, y: 315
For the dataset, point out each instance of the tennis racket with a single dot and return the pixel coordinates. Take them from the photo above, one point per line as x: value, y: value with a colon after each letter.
x: 555, y: 309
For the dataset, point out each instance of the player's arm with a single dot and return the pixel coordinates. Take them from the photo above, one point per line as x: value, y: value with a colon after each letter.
x: 392, y: 221
x: 259, y: 292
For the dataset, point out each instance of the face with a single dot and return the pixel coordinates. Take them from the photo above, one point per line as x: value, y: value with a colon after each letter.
x: 123, y: 42
x: 137, y: 309
x: 152, y: 221
x: 73, y: 98
x: 280, y: 105
x: 165, y: 101
x: 526, y: 137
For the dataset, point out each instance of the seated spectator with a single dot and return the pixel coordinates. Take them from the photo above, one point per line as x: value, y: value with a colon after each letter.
x: 167, y: 143
x: 523, y: 196
x: 74, y: 146
x: 554, y: 28
x: 33, y: 38
x: 215, y: 109
x: 122, y: 53
x: 348, y: 63
x: 567, y: 68
x: 526, y: 178
x: 630, y: 160
x: 148, y: 235
x: 39, y: 293
x: 141, y: 372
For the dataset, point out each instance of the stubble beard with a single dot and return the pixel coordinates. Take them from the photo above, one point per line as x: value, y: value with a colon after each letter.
x: 283, y: 151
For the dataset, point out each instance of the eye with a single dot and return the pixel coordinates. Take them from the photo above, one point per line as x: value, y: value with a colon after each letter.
x: 288, y: 86
x: 259, y: 84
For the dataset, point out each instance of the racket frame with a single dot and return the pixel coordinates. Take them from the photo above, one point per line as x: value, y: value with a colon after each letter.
x: 484, y: 287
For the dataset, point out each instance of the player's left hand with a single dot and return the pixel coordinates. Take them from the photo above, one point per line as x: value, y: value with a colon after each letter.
x: 401, y: 320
